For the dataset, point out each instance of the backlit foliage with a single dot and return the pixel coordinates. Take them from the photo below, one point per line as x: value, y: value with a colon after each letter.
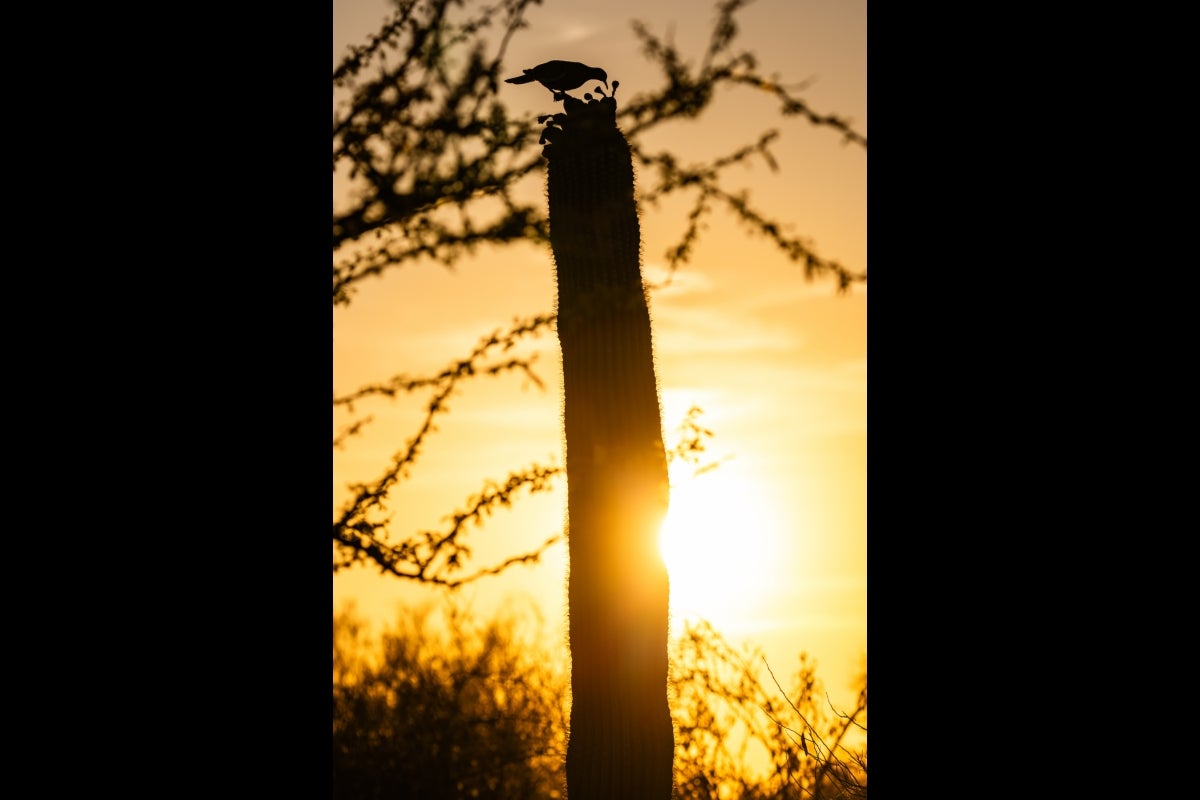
x: 445, y: 706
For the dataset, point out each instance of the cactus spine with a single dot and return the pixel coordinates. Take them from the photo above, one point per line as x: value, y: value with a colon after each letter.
x: 621, y: 741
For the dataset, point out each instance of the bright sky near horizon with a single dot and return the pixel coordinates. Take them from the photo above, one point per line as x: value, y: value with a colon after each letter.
x: 771, y: 545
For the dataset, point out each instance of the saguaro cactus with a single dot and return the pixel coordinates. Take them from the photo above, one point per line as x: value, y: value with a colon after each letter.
x: 621, y: 741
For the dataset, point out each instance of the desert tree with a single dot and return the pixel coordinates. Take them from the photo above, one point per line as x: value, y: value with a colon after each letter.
x: 435, y: 160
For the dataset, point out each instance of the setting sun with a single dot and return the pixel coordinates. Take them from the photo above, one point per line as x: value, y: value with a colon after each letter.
x: 717, y: 541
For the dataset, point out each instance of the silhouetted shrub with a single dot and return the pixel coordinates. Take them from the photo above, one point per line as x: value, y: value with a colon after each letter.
x: 465, y: 711
x: 741, y: 736
x: 445, y: 707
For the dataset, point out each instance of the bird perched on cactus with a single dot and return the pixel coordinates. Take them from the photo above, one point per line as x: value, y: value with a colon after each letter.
x: 561, y: 76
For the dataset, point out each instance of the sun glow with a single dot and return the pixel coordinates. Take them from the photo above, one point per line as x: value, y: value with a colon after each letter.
x: 717, y: 542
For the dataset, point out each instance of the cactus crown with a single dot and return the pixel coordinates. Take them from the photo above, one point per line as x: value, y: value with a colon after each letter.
x: 594, y: 228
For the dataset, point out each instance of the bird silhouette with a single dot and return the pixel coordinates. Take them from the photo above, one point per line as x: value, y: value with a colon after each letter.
x: 560, y: 76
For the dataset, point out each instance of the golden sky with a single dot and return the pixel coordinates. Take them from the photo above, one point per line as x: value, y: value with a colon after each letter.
x: 775, y: 538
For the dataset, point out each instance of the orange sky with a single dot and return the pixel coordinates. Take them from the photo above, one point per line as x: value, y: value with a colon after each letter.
x: 777, y: 364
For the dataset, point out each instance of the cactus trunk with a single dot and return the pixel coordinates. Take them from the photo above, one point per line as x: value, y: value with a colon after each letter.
x: 621, y: 740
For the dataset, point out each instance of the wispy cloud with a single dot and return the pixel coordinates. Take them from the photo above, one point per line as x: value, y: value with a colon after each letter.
x: 693, y: 315
x: 717, y: 331
x: 572, y: 32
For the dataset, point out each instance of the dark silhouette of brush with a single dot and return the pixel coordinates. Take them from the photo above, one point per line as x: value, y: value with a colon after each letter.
x: 561, y: 76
